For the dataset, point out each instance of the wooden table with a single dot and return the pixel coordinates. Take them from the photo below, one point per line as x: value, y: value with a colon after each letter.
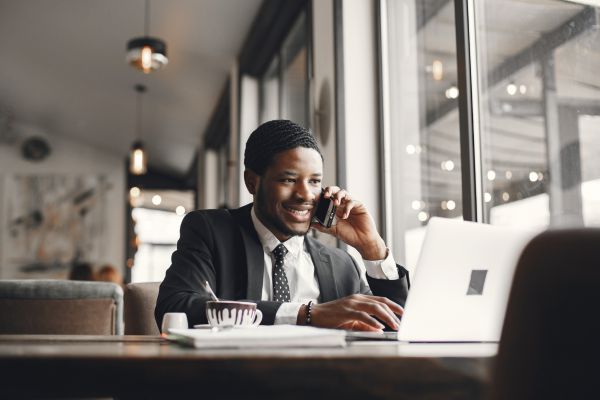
x: 149, y: 367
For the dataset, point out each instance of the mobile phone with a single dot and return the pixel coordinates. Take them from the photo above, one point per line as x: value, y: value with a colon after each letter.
x: 325, y: 211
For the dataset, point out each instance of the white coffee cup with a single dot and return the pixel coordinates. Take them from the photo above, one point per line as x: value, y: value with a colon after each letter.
x: 233, y: 314
x: 174, y: 320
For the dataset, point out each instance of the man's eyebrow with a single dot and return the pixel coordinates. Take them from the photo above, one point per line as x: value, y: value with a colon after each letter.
x: 292, y: 173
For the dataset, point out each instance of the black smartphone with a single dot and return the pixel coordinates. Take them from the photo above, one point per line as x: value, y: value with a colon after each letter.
x: 325, y: 211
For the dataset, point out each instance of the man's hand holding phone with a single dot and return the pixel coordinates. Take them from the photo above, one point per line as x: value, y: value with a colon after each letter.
x: 354, y: 226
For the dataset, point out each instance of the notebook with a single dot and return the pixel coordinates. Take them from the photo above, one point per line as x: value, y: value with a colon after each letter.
x: 273, y: 336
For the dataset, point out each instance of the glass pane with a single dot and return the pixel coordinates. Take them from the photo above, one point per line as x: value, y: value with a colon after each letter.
x: 157, y: 216
x: 269, y: 93
x: 425, y: 144
x: 295, y: 74
x: 539, y: 100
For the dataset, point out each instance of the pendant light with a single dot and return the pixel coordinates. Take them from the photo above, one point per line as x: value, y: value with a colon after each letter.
x: 147, y: 53
x: 138, y: 159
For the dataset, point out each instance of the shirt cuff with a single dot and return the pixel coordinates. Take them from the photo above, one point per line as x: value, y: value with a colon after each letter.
x: 382, y: 269
x: 287, y: 313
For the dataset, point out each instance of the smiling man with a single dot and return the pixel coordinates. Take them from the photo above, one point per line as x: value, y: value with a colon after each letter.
x: 261, y: 252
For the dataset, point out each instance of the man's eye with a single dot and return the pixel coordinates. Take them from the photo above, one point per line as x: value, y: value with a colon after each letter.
x: 315, y: 181
x: 288, y: 180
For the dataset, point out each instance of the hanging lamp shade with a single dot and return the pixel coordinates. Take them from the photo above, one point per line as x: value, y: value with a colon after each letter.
x: 147, y: 54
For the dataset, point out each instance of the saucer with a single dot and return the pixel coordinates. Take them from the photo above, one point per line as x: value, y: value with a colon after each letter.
x: 208, y: 326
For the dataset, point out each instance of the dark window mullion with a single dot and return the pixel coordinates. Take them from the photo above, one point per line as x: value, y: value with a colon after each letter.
x: 467, y: 117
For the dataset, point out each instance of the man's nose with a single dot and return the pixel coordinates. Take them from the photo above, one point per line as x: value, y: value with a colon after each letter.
x: 306, y: 192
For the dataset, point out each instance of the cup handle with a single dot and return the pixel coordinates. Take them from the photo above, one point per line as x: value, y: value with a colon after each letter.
x: 257, y: 318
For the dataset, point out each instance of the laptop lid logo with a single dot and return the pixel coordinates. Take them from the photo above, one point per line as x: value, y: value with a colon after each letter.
x: 477, y: 281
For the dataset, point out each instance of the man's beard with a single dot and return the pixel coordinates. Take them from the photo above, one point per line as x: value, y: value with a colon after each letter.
x: 272, y: 220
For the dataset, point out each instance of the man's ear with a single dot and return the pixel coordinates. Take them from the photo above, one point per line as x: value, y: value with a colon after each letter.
x: 251, y: 179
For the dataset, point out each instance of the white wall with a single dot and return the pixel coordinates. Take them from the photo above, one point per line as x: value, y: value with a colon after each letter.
x: 361, y: 99
x: 210, y: 171
x: 361, y: 116
x: 248, y: 123
x: 324, y: 74
x: 234, y: 191
x: 73, y: 159
x: 323, y: 53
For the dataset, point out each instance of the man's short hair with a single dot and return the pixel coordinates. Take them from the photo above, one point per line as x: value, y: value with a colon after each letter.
x: 273, y: 137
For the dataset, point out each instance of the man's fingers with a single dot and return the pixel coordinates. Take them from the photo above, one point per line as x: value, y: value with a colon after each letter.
x: 340, y: 196
x: 381, y: 311
x: 366, y: 319
x: 330, y: 191
x: 346, y: 208
x: 359, y: 326
x: 396, y: 308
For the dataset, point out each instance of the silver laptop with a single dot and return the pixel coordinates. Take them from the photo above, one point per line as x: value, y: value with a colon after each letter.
x: 461, y: 284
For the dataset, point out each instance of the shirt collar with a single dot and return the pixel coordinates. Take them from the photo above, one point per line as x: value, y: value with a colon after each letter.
x: 294, y: 245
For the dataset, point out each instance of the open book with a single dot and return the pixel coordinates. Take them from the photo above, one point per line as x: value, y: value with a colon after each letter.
x: 261, y: 336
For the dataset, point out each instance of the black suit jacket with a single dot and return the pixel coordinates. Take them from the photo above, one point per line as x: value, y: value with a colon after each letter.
x: 223, y: 248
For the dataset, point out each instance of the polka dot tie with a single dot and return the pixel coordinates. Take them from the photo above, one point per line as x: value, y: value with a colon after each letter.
x: 281, y: 289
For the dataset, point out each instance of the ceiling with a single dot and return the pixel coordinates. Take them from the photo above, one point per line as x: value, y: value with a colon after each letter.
x: 63, y: 70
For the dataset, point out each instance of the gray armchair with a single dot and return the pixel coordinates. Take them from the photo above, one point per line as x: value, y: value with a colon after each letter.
x: 60, y: 307
x: 140, y: 300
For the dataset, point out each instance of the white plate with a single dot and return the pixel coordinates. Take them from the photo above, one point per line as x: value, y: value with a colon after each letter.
x: 208, y: 326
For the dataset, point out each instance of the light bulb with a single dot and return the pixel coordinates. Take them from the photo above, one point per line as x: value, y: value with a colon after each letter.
x: 511, y: 89
x: 533, y: 176
x: 138, y: 162
x: 437, y: 69
x: 135, y: 192
x: 452, y: 92
x: 146, y: 59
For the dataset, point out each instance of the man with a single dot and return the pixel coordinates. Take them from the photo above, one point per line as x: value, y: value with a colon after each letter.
x: 261, y: 253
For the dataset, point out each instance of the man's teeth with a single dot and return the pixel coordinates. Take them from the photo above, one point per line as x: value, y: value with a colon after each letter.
x: 297, y: 212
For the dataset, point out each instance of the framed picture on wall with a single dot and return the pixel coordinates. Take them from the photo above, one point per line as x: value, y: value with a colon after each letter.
x: 52, y: 222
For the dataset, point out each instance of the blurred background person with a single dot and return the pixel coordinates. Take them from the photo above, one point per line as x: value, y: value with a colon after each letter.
x: 81, y: 271
x: 108, y: 273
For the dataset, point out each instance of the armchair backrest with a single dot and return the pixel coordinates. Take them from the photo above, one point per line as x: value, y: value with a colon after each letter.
x: 60, y: 307
x: 549, y: 346
x: 140, y: 300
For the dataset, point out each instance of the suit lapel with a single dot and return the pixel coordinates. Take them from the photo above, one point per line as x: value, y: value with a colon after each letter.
x: 254, y: 254
x: 323, y: 268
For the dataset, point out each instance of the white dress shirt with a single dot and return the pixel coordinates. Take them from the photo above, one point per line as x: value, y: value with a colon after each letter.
x: 300, y: 272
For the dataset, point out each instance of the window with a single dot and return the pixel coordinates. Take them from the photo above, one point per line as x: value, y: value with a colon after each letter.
x: 157, y: 216
x: 423, y: 119
x: 284, y: 86
x: 294, y: 56
x: 534, y: 104
x: 539, y: 106
x: 269, y: 90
